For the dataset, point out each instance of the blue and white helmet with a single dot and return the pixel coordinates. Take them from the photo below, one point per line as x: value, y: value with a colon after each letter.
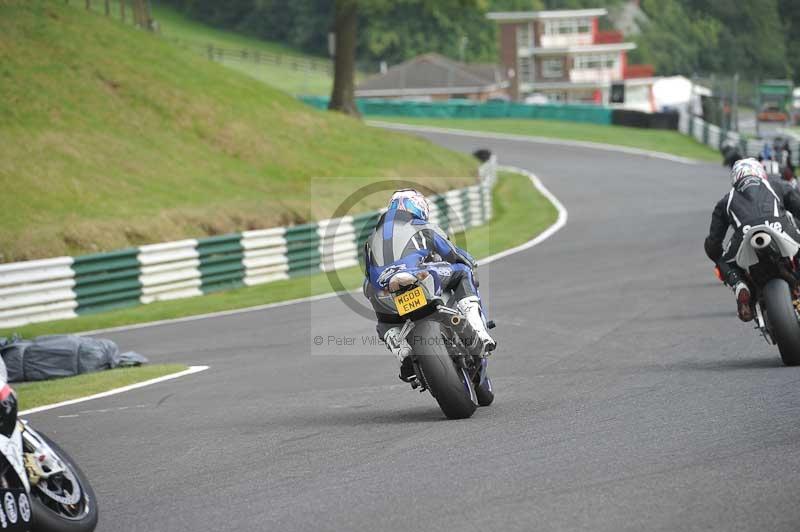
x: 412, y: 201
x: 747, y: 168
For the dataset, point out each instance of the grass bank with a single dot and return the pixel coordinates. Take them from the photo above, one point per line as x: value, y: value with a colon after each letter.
x: 287, y: 76
x: 33, y: 394
x: 113, y: 137
x: 520, y: 213
x: 646, y: 139
x: 197, y: 37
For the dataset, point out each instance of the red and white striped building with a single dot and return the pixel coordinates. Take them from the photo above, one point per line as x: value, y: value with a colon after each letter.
x: 565, y: 56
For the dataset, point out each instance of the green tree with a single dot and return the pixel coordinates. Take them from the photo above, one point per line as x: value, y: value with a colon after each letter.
x: 405, y: 28
x: 674, y: 41
x: 714, y: 36
x: 345, y: 25
x: 751, y: 37
x: 789, y: 12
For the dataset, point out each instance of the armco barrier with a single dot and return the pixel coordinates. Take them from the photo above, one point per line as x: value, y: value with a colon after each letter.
x: 469, y: 109
x: 302, y: 249
x: 169, y: 271
x: 105, y: 281
x: 714, y: 137
x: 221, y: 265
x: 265, y: 256
x: 337, y: 244
x: 64, y: 287
x: 37, y: 290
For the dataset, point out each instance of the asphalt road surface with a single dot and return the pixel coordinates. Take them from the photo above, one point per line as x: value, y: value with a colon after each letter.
x: 629, y: 397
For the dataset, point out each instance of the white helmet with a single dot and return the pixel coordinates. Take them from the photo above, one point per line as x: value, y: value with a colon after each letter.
x: 746, y: 168
x: 412, y: 201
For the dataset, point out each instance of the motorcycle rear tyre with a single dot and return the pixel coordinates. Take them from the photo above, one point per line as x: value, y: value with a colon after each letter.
x: 782, y: 319
x: 449, y: 385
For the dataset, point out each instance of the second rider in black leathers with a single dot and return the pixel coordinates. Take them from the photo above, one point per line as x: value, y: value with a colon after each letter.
x: 753, y: 200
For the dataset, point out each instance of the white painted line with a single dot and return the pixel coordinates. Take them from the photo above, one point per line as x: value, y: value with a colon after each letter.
x: 560, y: 222
x: 536, y: 140
x: 547, y: 233
x: 115, y: 391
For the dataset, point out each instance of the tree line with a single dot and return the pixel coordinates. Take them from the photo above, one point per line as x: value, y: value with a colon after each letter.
x: 757, y: 38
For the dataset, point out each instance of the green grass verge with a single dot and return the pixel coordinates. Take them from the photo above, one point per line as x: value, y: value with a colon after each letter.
x: 113, y: 137
x: 33, y: 394
x: 520, y: 213
x: 646, y: 139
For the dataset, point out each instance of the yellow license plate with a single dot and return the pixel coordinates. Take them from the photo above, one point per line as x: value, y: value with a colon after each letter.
x: 410, y: 301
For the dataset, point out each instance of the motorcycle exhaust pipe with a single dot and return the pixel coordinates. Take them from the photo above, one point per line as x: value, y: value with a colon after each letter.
x: 468, y: 336
x: 760, y: 241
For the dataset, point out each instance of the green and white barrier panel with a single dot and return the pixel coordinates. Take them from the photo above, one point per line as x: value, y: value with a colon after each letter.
x: 37, y: 290
x: 65, y: 287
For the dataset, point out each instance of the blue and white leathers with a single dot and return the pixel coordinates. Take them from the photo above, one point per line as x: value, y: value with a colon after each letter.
x: 403, y: 242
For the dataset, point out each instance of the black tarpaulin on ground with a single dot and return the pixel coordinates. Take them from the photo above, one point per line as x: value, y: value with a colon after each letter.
x: 50, y: 357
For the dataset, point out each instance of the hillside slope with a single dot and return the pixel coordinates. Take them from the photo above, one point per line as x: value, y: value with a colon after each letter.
x: 111, y: 137
x: 291, y: 75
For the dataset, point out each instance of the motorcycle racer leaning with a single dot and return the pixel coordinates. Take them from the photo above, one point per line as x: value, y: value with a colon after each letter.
x: 753, y: 199
x: 403, y: 240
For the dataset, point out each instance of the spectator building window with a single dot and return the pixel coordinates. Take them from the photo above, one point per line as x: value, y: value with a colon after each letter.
x: 553, y: 68
x: 525, y: 70
x: 567, y: 26
x: 595, y: 62
x: 524, y: 36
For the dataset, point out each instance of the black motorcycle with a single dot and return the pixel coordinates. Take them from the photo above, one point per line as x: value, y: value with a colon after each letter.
x: 767, y: 255
x: 446, y: 355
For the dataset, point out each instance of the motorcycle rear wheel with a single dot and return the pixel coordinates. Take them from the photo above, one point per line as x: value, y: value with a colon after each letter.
x: 450, y: 386
x: 45, y: 514
x: 782, y: 320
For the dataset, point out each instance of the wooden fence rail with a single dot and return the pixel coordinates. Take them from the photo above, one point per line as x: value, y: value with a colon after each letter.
x: 293, y: 62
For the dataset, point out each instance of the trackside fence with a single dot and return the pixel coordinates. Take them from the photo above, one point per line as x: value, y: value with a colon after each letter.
x: 592, y: 114
x: 714, y: 137
x: 66, y: 287
x: 258, y: 57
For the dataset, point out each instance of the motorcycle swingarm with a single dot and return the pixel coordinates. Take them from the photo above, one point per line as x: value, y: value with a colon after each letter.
x: 761, y: 325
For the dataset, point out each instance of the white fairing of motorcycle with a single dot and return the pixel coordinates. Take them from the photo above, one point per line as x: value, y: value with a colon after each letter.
x: 747, y: 255
x: 12, y: 447
x: 12, y: 450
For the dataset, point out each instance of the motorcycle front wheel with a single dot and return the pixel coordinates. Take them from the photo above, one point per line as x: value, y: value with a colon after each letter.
x: 48, y: 514
x: 450, y: 386
x: 782, y: 320
x: 485, y: 392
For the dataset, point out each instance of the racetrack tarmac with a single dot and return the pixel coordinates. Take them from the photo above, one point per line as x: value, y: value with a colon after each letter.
x: 629, y: 397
